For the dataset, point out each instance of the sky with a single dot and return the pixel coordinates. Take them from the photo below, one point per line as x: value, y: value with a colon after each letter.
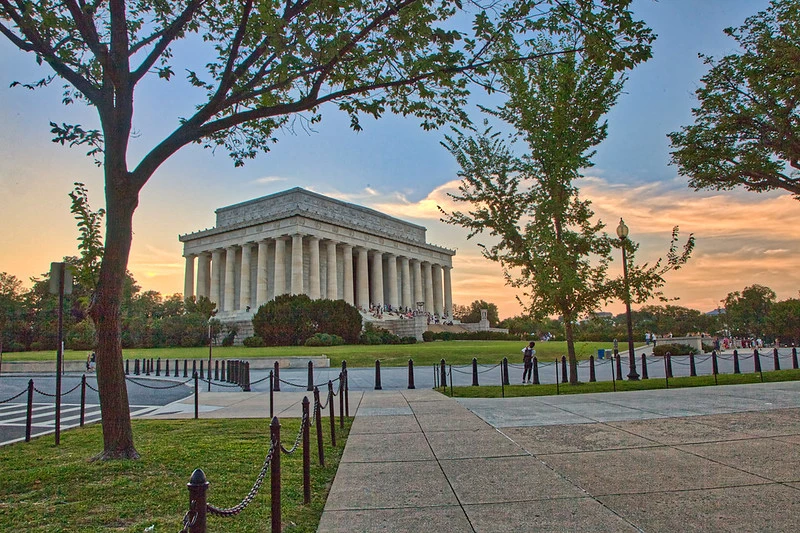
x: 396, y: 167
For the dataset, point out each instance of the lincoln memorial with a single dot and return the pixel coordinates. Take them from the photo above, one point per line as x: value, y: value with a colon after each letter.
x: 301, y: 242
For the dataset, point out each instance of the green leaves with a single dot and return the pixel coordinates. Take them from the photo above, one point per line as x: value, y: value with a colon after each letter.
x: 90, y: 239
x: 747, y: 128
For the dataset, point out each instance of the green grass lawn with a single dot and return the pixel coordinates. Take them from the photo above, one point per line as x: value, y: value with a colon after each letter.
x: 511, y: 391
x: 47, y: 488
x: 428, y: 353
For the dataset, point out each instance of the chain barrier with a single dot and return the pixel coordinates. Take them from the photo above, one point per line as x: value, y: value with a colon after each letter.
x: 488, y: 369
x: 297, y: 439
x: 233, y: 511
x: 51, y: 395
x: 327, y: 401
x: 23, y: 391
x: 293, y: 384
x: 456, y: 370
x: 190, y: 518
x: 259, y: 380
x: 225, y: 385
x: 44, y: 393
x: 92, y: 388
x: 158, y: 388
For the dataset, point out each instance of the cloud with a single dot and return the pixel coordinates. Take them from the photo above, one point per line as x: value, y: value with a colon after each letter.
x: 268, y: 179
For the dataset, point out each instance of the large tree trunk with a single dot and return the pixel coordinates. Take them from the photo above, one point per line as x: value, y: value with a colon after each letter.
x: 573, y: 360
x: 121, y: 202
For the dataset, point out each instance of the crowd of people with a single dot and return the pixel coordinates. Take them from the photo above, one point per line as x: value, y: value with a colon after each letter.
x: 381, y: 311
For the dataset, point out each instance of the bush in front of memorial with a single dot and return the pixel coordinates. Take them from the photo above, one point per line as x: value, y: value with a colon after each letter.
x: 289, y: 320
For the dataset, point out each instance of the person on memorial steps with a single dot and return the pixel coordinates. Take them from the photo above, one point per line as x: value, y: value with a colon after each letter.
x: 527, y: 359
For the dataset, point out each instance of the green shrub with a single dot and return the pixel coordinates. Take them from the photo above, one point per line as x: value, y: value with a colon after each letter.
x: 81, y: 336
x: 429, y: 336
x: 408, y: 340
x: 289, y: 320
x: 674, y: 349
x: 324, y: 339
x: 374, y: 335
x: 254, y: 342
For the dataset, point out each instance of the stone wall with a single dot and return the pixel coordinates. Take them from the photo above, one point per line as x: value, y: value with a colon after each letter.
x: 409, y: 327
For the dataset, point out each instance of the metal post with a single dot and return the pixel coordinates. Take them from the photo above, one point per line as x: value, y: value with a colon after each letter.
x: 613, y: 379
x: 555, y: 365
x: 794, y: 358
x: 736, y: 369
x: 310, y: 376
x: 505, y: 371
x: 136, y: 366
x: 346, y: 393
x: 714, y: 364
x: 535, y: 371
x: 60, y: 350
x: 272, y: 396
x: 83, y: 398
x: 666, y: 370
x: 333, y: 415
x: 318, y: 421
x: 127, y: 367
x: 176, y: 368
x: 443, y: 378
x: 29, y: 415
x: 158, y: 366
x: 451, y: 381
x: 341, y: 400
x: 306, y: 452
x: 632, y: 374
x: 216, y: 370
x: 619, y: 365
x: 222, y: 370
x: 202, y: 372
x: 275, y: 475
x: 185, y: 368
x: 669, y: 364
x: 198, y: 485
x: 644, y: 367
x: 194, y: 367
x: 564, y: 377
x: 276, y: 369
x: 474, y: 372
x: 378, y: 385
x: 756, y: 361
x: 592, y: 375
x: 166, y: 370
x: 246, y: 386
x: 411, y: 374
x: 776, y: 362
x: 196, y: 398
x: 692, y: 366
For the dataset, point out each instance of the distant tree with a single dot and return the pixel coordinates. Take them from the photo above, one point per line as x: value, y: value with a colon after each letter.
x: 746, y: 312
x: 746, y: 132
x: 472, y: 313
x: 783, y: 321
x: 11, y: 308
x: 665, y: 319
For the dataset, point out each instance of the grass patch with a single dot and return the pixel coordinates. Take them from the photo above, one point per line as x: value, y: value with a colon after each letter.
x: 513, y: 391
x: 428, y: 353
x: 47, y: 488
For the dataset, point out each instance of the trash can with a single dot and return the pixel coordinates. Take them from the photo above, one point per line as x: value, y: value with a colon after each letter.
x: 601, y: 353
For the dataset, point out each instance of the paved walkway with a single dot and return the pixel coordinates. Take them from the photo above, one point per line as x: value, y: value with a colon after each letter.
x: 703, y: 459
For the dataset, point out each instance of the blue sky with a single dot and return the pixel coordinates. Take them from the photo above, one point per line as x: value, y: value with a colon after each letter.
x: 395, y: 166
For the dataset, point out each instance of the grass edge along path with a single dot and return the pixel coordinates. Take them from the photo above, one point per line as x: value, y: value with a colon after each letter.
x: 47, y: 488
x: 516, y: 391
x: 356, y: 355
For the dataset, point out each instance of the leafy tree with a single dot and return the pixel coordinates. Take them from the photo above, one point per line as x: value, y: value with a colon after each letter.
x: 746, y: 312
x: 10, y: 307
x: 267, y: 66
x: 472, y: 313
x: 783, y: 321
x: 746, y: 132
x: 285, y: 321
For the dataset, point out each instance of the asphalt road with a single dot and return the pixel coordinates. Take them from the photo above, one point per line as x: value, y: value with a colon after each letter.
x: 13, y: 412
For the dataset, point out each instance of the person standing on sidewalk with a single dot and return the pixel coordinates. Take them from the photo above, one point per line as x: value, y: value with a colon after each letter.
x: 527, y: 361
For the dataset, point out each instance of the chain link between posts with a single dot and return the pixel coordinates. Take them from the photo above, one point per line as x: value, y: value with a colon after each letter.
x: 233, y: 511
x: 297, y: 439
x: 23, y: 391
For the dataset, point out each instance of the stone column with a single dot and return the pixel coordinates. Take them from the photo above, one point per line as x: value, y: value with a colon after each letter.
x: 244, y: 277
x: 188, y: 277
x: 438, y: 304
x: 261, y: 274
x: 391, y: 267
x: 428, y: 277
x: 230, y: 263
x: 362, y: 279
x: 405, y: 282
x: 280, y: 266
x: 448, y: 293
x: 203, y: 275
x: 297, y: 264
x: 216, y: 264
x: 376, y: 285
x: 418, y: 294
x: 314, y: 288
x: 332, y: 285
x: 347, y: 272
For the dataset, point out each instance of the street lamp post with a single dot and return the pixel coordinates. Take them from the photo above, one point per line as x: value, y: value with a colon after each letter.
x: 622, y: 233
x: 209, y: 351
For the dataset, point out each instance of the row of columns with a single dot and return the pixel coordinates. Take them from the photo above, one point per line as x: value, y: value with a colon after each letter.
x: 418, y: 281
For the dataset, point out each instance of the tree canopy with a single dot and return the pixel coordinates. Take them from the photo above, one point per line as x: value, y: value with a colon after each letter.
x: 746, y: 131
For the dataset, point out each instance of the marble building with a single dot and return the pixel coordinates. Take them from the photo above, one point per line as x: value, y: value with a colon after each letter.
x: 301, y: 242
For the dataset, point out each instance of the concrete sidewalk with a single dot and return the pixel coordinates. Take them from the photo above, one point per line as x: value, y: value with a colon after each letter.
x: 703, y: 459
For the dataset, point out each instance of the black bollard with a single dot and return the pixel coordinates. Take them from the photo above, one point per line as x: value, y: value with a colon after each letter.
x: 275, y: 476
x: 216, y: 371
x: 29, y: 412
x: 310, y: 386
x: 794, y: 358
x: 535, y: 371
x: 333, y: 415
x: 378, y: 375
x: 196, y: 397
x: 202, y: 373
x: 714, y: 363
x: 564, y: 377
x: 277, y: 383
x: 127, y: 366
x: 443, y: 377
x: 692, y: 366
x: 147, y: 367
x: 474, y: 372
x: 185, y: 368
x: 736, y: 369
x: 776, y: 362
x: 83, y: 399
x: 669, y: 364
x: 246, y: 385
x: 198, y: 486
x: 272, y: 396
x: 318, y: 421
x: 136, y: 367
x: 152, y: 366
x: 410, y: 375
x: 592, y: 375
x: 618, y: 360
x: 144, y: 365
x: 306, y: 450
x: 505, y: 371
x: 644, y: 367
x: 756, y: 361
x: 158, y: 366
x: 194, y: 367
x: 341, y: 400
x: 166, y: 370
